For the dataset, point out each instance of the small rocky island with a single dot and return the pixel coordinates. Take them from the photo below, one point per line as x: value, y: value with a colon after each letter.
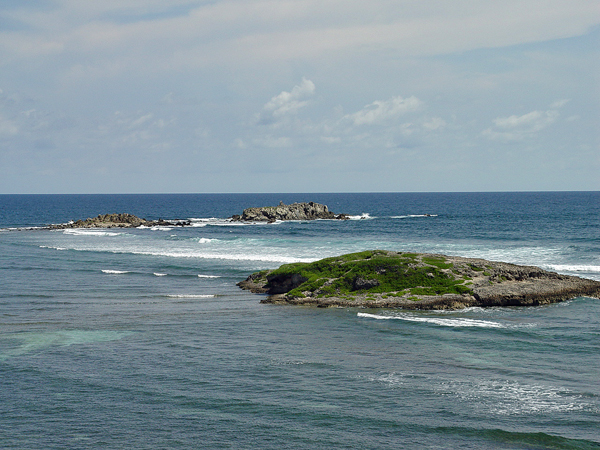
x: 386, y: 279
x: 117, y: 221
x: 295, y: 211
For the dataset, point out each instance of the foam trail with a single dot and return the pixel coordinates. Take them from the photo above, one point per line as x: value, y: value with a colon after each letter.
x: 208, y: 276
x: 191, y: 296
x: 213, y: 221
x: 53, y: 248
x: 458, y: 322
x: 409, y: 216
x: 158, y: 274
x: 363, y: 216
x: 204, y: 240
x: 574, y: 268
x: 224, y: 256
x: 80, y: 232
x: 114, y: 272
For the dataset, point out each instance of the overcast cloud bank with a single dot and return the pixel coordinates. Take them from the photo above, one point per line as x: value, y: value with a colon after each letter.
x: 299, y: 96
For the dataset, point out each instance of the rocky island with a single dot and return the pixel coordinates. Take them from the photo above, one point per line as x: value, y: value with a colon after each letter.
x: 117, y: 221
x: 386, y: 279
x: 295, y: 211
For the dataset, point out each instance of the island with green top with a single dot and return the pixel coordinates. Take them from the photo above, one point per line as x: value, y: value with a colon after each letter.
x: 388, y: 279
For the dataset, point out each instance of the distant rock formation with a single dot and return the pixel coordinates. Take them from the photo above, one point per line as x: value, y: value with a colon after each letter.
x: 295, y: 211
x: 385, y: 279
x: 117, y: 221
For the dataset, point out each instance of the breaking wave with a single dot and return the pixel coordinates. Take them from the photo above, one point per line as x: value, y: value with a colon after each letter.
x: 363, y: 216
x: 410, y: 216
x: 191, y: 296
x: 446, y: 322
x: 88, y: 232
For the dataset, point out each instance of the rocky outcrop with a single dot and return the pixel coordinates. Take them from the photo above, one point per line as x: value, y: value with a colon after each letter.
x: 295, y: 211
x: 382, y: 279
x: 117, y: 221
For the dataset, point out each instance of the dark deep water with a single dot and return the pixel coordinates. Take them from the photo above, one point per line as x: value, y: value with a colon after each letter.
x: 139, y: 339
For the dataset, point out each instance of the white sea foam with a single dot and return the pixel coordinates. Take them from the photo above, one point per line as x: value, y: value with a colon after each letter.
x: 573, y: 268
x: 204, y: 240
x: 87, y: 232
x: 158, y: 274
x: 227, y: 251
x: 53, y: 248
x: 453, y: 322
x: 390, y: 379
x: 410, y: 216
x: 213, y: 221
x: 191, y: 295
x: 223, y: 256
x: 505, y: 397
x: 114, y: 272
x: 208, y: 276
x: 204, y: 220
x: 363, y: 216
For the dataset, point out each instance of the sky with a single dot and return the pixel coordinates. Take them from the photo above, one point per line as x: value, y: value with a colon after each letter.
x: 149, y: 96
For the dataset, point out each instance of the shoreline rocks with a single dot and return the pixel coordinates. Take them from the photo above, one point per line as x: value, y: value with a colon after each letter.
x: 295, y: 211
x: 439, y: 282
x: 118, y: 221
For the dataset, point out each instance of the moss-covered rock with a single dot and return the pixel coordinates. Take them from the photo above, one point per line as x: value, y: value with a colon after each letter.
x: 379, y: 278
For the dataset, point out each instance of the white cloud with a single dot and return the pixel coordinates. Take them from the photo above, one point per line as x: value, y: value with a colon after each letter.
x: 141, y: 120
x: 435, y: 123
x: 559, y: 103
x: 380, y: 111
x: 143, y: 35
x: 331, y: 139
x: 197, y: 76
x: 273, y: 142
x: 287, y: 102
x: 514, y: 128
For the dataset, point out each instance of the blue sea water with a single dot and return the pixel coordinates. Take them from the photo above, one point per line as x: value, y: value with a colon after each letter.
x: 140, y: 338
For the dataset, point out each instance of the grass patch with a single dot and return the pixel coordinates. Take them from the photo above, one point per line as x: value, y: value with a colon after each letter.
x: 438, y: 262
x: 396, y: 272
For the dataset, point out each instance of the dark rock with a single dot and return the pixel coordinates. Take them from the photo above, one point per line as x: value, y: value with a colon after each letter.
x: 361, y: 284
x: 295, y: 211
x: 118, y: 221
x: 280, y: 284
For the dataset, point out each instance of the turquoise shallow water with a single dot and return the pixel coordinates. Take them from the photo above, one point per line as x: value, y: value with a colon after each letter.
x: 139, y: 339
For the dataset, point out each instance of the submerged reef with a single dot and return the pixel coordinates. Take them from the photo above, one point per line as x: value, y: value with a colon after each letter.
x: 295, y: 211
x: 387, y: 279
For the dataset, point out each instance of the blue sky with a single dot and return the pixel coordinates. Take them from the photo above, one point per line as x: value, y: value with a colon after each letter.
x: 299, y: 96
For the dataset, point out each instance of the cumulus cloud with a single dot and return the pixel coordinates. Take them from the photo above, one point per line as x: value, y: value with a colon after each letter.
x: 380, y: 111
x: 516, y: 128
x: 287, y: 102
x: 435, y: 123
x: 273, y: 141
x: 559, y: 103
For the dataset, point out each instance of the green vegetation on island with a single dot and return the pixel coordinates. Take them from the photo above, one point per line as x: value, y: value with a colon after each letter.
x: 379, y: 278
x: 372, y: 271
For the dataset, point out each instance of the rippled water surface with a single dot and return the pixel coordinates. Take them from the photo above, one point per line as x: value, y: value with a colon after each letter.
x: 140, y: 339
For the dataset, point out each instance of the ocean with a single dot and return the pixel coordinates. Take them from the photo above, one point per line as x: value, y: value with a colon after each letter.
x: 140, y: 338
